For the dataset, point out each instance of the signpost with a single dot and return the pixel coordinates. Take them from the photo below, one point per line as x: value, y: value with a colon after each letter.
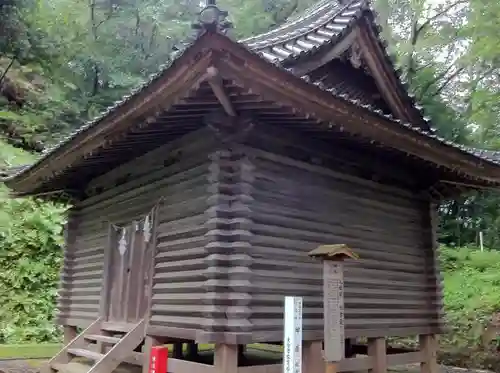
x: 333, y: 301
x: 292, y: 344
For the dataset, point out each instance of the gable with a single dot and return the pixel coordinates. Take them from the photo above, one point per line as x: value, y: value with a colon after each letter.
x: 348, y: 32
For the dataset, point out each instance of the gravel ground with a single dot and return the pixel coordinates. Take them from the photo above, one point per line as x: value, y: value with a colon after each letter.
x: 21, y: 366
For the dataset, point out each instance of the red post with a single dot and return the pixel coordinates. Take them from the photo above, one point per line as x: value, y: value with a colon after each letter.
x: 158, y: 359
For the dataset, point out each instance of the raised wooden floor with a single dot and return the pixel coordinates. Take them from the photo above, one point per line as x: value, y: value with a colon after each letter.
x: 101, y: 348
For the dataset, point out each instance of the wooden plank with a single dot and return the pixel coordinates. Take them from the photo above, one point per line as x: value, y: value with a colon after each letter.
x: 117, y: 327
x: 184, y: 366
x: 286, y: 161
x: 106, y: 284
x: 81, y: 352
x: 102, y: 338
x: 346, y: 365
x: 130, y: 286
x: 192, y: 143
x: 173, y: 176
x: 148, y: 291
x: 385, y: 79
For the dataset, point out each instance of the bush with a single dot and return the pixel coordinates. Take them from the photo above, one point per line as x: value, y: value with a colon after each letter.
x: 30, y: 258
x: 471, y: 292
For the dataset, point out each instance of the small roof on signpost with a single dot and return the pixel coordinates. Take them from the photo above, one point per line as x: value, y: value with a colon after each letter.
x: 333, y: 252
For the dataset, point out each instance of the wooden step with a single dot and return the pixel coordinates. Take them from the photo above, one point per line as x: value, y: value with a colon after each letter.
x: 102, y: 338
x: 118, y: 327
x: 72, y: 367
x: 58, y: 366
x: 96, y: 356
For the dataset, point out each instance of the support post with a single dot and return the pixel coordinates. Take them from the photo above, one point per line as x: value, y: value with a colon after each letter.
x: 192, y: 350
x: 149, y: 342
x: 312, y: 357
x: 241, y: 352
x: 378, y: 352
x: 70, y: 333
x: 226, y: 358
x: 177, y: 350
x: 428, y: 348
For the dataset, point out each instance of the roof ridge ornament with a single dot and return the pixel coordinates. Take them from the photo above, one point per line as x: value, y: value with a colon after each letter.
x: 212, y: 19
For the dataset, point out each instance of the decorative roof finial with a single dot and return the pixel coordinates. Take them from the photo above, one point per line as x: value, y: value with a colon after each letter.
x: 212, y: 19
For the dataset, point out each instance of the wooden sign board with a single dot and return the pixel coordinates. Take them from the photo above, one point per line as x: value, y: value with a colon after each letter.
x: 333, y: 303
x: 292, y: 342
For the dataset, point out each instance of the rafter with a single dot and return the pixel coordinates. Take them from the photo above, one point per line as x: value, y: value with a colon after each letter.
x: 215, y: 81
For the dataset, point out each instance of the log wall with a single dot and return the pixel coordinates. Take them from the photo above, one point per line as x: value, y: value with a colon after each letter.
x: 177, y: 174
x: 297, y: 205
x: 233, y: 232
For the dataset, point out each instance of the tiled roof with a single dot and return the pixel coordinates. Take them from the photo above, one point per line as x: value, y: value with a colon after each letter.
x: 322, y: 24
x: 487, y: 155
x: 7, y: 172
x: 490, y: 155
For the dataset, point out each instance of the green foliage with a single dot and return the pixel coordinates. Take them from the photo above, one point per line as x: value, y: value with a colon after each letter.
x: 30, y: 258
x: 471, y: 296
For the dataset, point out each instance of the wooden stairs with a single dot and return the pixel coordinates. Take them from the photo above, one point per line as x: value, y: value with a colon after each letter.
x: 98, y: 349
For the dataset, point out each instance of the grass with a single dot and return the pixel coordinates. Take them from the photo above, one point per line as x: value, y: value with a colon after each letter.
x: 47, y: 350
x: 29, y: 351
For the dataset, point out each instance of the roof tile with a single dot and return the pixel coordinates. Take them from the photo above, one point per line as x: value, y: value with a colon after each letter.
x: 322, y: 24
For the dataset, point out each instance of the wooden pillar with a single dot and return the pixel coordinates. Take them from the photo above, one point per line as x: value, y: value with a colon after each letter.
x: 378, y: 352
x: 100, y: 345
x: 428, y: 349
x: 177, y: 350
x: 149, y: 342
x: 312, y: 357
x: 241, y: 352
x: 226, y: 358
x: 70, y: 333
x: 192, y: 350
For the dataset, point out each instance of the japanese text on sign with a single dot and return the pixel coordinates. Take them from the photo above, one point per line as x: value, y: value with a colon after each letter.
x: 333, y: 303
x: 292, y: 357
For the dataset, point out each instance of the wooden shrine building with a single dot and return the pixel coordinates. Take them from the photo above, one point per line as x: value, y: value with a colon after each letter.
x: 196, y: 199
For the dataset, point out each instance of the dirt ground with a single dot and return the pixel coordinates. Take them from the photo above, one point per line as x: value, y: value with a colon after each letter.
x: 33, y: 366
x: 21, y: 366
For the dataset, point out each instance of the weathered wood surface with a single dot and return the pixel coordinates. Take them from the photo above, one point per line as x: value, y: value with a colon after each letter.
x: 176, y: 173
x: 233, y: 233
x: 202, y: 264
x: 297, y: 206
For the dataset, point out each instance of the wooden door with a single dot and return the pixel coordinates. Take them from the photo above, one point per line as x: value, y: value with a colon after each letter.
x: 129, y: 271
